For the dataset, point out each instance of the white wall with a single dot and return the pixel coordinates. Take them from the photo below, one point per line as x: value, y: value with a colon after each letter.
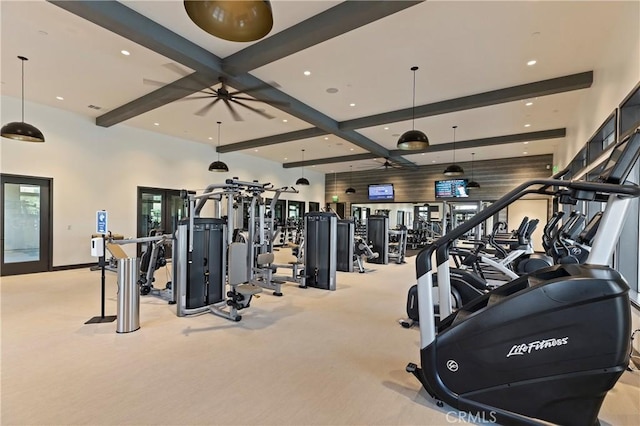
x: 96, y: 168
x: 615, y: 76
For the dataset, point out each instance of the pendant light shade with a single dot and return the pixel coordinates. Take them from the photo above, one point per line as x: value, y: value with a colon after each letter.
x: 413, y: 139
x: 350, y: 189
x: 302, y: 180
x: 218, y: 166
x: 19, y: 130
x: 232, y: 20
x: 454, y: 169
x: 473, y: 183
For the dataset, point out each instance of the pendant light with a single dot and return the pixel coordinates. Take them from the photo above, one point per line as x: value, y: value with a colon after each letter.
x: 454, y: 169
x: 413, y: 139
x: 473, y: 183
x: 302, y: 180
x: 19, y: 130
x: 232, y: 20
x: 350, y: 189
x: 218, y: 166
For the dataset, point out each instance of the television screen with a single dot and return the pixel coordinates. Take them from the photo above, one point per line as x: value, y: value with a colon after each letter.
x: 451, y: 188
x: 381, y: 192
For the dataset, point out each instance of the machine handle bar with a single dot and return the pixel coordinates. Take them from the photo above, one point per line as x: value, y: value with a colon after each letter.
x: 423, y: 259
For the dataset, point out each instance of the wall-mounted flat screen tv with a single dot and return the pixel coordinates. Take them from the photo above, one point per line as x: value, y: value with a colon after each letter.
x: 381, y: 192
x: 451, y: 188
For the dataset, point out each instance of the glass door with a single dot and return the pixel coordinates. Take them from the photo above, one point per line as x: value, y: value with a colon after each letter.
x: 295, y: 209
x: 25, y: 245
x: 158, y: 209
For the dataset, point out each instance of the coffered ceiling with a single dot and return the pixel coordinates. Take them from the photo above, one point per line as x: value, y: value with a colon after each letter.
x: 357, y: 99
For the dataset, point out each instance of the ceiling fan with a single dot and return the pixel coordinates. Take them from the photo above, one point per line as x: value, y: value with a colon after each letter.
x: 388, y: 165
x: 220, y: 92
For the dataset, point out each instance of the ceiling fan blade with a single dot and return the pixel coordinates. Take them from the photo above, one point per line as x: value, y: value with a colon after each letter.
x: 176, y: 68
x: 262, y: 86
x: 233, y: 111
x: 203, y: 111
x: 153, y: 82
x: 282, y: 103
x: 207, y: 91
x: 189, y: 98
x: 257, y: 111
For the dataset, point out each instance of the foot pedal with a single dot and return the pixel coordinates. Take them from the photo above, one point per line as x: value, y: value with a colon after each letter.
x: 495, y: 298
x: 248, y: 289
x: 461, y: 314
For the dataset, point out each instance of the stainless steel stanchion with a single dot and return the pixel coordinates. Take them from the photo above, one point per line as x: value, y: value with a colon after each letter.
x: 128, y: 296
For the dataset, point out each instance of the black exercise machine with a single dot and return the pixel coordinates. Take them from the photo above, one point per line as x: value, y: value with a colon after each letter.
x: 546, y: 347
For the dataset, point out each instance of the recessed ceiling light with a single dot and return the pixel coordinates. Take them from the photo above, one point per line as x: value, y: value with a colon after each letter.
x: 285, y: 158
x: 526, y: 143
x: 352, y: 104
x: 527, y: 125
x: 307, y: 73
x: 532, y: 62
x: 285, y: 120
x: 529, y: 103
x: 312, y: 166
x: 156, y: 124
x: 525, y: 152
x: 351, y: 149
x: 332, y: 90
x: 125, y: 52
x: 255, y: 150
x: 433, y: 161
x: 210, y: 138
x: 422, y: 153
x: 326, y: 138
x: 60, y: 98
x: 386, y: 128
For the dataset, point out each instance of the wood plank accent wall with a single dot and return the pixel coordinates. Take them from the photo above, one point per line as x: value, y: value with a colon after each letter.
x: 413, y: 185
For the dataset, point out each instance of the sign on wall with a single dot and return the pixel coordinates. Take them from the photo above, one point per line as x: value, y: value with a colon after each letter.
x: 101, y: 221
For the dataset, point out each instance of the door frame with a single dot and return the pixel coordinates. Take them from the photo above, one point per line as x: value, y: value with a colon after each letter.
x: 46, y: 234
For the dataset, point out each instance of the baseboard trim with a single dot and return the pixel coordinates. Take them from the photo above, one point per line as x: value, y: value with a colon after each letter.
x: 77, y: 266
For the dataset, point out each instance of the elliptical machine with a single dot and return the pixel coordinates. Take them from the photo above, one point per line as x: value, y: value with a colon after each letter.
x: 524, y: 353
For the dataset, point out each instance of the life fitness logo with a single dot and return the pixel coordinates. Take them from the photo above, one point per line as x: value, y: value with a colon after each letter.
x: 537, y: 345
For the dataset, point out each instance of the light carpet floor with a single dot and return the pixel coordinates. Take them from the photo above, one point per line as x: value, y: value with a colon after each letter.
x: 311, y: 357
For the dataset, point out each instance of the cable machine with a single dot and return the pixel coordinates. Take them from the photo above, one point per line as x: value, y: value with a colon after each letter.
x: 205, y: 278
x: 320, y: 261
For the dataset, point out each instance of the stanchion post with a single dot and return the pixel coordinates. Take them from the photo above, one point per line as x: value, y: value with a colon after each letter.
x: 102, y: 263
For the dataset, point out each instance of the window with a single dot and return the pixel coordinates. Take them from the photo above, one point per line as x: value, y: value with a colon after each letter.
x: 627, y: 254
x: 602, y: 138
